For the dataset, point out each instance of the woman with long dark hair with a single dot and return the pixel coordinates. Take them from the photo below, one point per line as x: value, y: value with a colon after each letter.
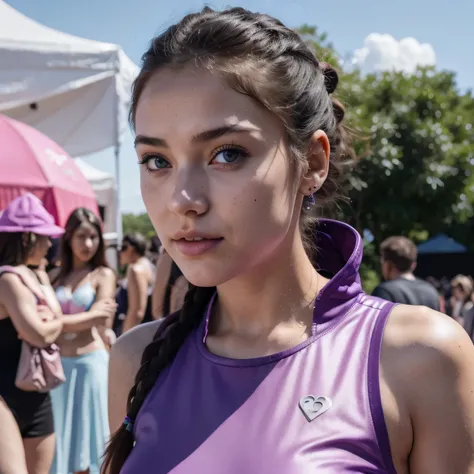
x: 85, y: 288
x: 26, y: 418
x: 278, y: 362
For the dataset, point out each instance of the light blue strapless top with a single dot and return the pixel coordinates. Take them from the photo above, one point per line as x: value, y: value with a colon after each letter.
x: 77, y: 301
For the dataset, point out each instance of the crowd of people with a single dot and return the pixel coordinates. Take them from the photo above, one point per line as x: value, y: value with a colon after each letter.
x: 455, y: 297
x: 264, y: 355
x: 65, y: 430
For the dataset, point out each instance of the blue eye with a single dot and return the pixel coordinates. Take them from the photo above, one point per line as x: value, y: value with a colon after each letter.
x: 229, y: 155
x: 153, y: 163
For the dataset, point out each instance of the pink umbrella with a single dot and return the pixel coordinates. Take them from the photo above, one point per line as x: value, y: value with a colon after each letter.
x: 30, y: 161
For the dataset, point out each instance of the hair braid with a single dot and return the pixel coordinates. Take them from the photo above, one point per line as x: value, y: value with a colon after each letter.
x: 169, y: 337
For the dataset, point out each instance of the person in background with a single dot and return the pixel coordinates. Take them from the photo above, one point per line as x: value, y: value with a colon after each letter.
x: 460, y: 301
x: 154, y: 250
x: 26, y: 418
x: 52, y: 257
x: 398, y: 257
x: 134, y: 295
x: 170, y: 287
x: 85, y: 288
x: 437, y: 285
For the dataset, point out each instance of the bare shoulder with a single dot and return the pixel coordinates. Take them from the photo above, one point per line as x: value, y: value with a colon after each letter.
x: 128, y: 349
x: 125, y: 360
x: 11, y: 284
x: 105, y: 272
x: 13, y: 291
x: 419, y: 341
x: 423, y: 334
x: 425, y: 364
x: 126, y: 353
x: 138, y: 270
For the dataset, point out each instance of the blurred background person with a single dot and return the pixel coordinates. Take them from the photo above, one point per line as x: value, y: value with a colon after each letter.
x: 460, y: 301
x: 134, y: 294
x: 398, y: 257
x: 26, y: 418
x: 85, y: 288
x: 170, y: 287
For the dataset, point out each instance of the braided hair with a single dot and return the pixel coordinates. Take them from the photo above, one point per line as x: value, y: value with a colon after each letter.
x: 259, y: 57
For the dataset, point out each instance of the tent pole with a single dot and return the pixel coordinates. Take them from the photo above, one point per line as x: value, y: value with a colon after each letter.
x: 117, y: 195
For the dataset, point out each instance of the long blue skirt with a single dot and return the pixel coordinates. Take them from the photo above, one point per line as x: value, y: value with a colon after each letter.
x: 80, y: 414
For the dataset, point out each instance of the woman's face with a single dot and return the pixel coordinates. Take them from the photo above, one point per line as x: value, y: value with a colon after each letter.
x: 85, y: 242
x: 215, y: 168
x: 126, y: 253
x: 458, y: 293
x: 40, y: 249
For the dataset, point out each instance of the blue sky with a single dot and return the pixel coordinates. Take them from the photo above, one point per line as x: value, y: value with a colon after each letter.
x: 443, y: 27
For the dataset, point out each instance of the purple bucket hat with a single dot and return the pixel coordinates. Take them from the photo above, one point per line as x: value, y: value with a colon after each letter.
x: 27, y: 214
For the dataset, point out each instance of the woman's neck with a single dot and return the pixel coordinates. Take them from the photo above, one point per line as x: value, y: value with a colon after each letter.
x: 79, y: 264
x: 280, y: 292
x: 135, y: 259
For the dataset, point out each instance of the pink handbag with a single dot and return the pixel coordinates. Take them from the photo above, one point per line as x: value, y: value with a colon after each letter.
x: 39, y: 369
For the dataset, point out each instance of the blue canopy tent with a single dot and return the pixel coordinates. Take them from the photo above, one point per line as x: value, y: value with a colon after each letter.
x: 443, y: 257
x: 441, y: 243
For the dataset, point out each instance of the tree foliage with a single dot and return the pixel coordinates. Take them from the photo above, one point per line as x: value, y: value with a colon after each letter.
x: 138, y: 223
x: 414, y: 138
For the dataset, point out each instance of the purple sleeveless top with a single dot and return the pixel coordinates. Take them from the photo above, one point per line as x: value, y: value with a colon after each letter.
x: 315, y: 408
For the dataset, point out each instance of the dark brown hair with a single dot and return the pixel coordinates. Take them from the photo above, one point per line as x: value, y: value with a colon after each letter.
x: 137, y: 241
x: 261, y: 58
x: 400, y: 251
x: 80, y: 216
x: 16, y: 247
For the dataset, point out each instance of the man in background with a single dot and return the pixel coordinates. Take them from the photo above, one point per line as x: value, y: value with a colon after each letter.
x: 398, y: 256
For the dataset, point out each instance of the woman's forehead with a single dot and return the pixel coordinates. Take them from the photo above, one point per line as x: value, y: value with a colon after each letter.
x: 190, y: 101
x: 86, y: 227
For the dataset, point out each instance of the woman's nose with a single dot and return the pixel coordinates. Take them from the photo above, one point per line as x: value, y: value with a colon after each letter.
x: 189, y: 195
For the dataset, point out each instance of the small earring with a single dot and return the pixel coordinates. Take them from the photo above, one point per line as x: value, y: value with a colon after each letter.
x: 309, y: 202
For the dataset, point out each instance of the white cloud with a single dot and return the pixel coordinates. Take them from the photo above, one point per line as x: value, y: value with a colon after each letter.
x: 382, y: 52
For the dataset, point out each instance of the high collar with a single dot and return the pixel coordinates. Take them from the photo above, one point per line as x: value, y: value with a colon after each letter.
x: 339, y: 250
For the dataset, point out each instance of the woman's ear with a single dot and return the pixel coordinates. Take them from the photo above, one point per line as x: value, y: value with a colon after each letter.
x: 319, y: 151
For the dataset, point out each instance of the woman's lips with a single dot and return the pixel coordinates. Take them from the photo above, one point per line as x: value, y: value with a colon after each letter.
x: 195, y: 248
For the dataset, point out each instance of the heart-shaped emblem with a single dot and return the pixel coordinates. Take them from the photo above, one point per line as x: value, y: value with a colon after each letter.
x: 312, y: 406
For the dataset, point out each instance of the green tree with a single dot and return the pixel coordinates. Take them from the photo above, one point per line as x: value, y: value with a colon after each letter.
x: 414, y: 139
x: 138, y: 223
x: 414, y: 176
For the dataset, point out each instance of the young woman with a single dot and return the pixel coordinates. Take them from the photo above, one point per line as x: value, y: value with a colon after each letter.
x: 85, y: 288
x: 26, y: 418
x: 270, y: 367
x: 461, y: 297
x: 134, y: 296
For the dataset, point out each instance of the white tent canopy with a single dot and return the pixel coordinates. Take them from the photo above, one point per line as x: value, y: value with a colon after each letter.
x: 104, y: 188
x: 74, y: 90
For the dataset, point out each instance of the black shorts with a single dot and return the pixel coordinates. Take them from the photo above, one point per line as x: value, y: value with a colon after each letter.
x: 32, y: 411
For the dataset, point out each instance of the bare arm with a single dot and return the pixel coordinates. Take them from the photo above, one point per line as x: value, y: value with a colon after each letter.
x: 162, y: 275
x: 178, y: 292
x: 125, y: 360
x: 434, y: 380
x: 88, y: 319
x: 137, y: 298
x: 20, y: 305
x: 106, y: 289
